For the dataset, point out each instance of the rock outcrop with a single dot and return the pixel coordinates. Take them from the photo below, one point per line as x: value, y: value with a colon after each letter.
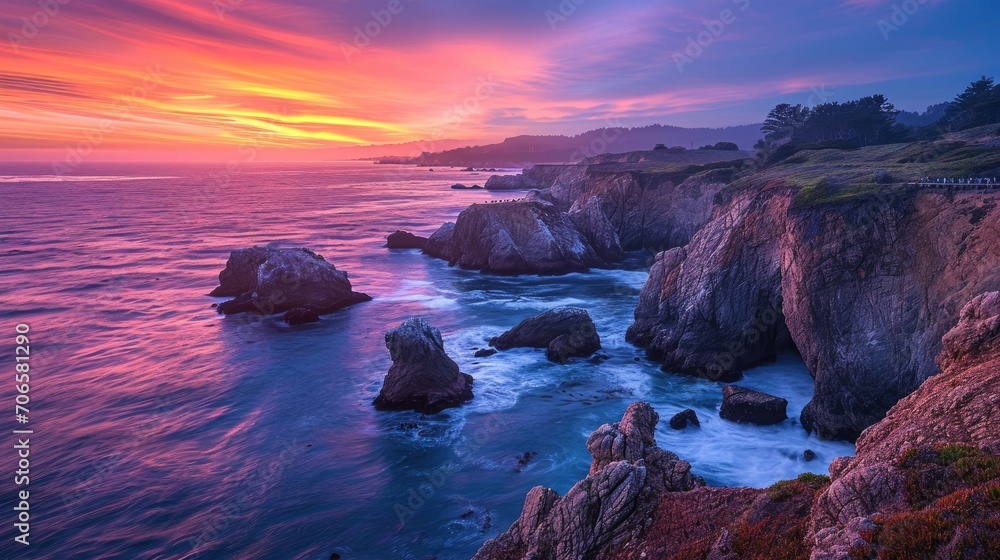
x: 936, y: 447
x: 871, y: 285
x: 506, y: 183
x: 740, y: 404
x: 422, y: 377
x: 525, y: 237
x: 864, y: 286
x: 607, y: 509
x: 439, y: 244
x: 565, y: 332
x: 405, y: 240
x: 714, y: 308
x: 269, y: 280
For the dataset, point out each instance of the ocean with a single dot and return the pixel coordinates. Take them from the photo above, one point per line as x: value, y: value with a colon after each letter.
x: 164, y: 430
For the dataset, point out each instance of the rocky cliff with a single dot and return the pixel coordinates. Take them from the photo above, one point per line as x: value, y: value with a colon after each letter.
x: 586, y: 215
x: 925, y: 483
x: 523, y: 237
x: 864, y: 283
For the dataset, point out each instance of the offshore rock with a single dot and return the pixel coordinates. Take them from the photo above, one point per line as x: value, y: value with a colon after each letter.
x: 422, y: 377
x: 269, y: 280
x: 566, y: 332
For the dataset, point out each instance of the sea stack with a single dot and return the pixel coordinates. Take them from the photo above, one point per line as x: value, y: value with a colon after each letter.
x: 268, y: 280
x: 422, y: 377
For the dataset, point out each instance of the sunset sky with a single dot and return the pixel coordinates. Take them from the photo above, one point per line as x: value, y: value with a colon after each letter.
x: 163, y: 77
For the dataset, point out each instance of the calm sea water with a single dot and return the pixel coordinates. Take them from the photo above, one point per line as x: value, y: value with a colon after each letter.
x: 163, y: 430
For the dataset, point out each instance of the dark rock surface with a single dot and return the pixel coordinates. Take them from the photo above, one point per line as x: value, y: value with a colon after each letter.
x: 422, y: 377
x: 683, y: 418
x: 565, y: 332
x: 301, y: 316
x: 740, y: 404
x: 269, y: 280
x: 506, y: 183
x: 628, y: 475
x: 405, y: 240
x: 485, y: 352
x: 871, y: 285
x: 524, y: 237
x: 942, y: 439
x: 714, y: 308
x: 439, y: 245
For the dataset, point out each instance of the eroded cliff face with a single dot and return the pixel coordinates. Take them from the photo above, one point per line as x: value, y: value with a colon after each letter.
x: 580, y: 220
x: 931, y: 462
x: 648, y: 210
x: 714, y: 307
x: 870, y: 287
x: 866, y: 287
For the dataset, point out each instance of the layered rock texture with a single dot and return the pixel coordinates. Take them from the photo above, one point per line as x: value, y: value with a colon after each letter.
x: 422, y: 377
x: 269, y: 280
x: 565, y: 332
x: 607, y: 509
x: 926, y: 479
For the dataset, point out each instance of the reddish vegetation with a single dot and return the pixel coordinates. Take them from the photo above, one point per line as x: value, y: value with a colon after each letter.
x: 956, y: 493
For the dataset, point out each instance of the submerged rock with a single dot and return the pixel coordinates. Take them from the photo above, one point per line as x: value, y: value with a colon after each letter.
x: 683, y: 418
x: 301, y: 316
x: 485, y: 352
x: 609, y: 507
x: 565, y: 332
x: 269, y: 280
x: 405, y: 240
x: 422, y: 377
x: 740, y: 404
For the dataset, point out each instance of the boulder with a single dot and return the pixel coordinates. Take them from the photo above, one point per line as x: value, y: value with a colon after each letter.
x: 565, y: 332
x: 405, y: 240
x: 422, y: 377
x: 740, y: 404
x: 459, y: 186
x: 683, y: 418
x: 301, y: 316
x: 269, y: 280
x: 485, y: 352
